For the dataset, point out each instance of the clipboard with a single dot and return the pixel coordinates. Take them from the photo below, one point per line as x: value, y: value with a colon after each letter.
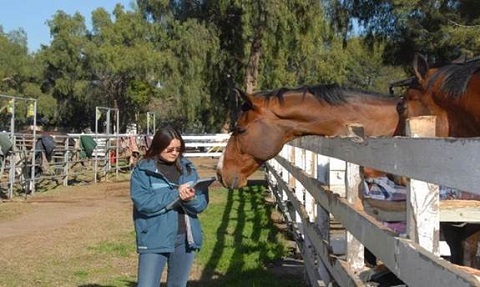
x: 201, y: 184
x: 204, y: 183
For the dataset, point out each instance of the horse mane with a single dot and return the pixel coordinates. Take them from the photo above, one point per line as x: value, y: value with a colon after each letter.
x: 456, y: 77
x: 333, y: 94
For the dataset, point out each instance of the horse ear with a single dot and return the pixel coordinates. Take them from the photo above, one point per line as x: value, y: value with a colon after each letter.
x: 420, y: 66
x: 243, y: 96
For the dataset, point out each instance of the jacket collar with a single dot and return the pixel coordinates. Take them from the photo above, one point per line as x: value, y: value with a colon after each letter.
x: 151, y: 164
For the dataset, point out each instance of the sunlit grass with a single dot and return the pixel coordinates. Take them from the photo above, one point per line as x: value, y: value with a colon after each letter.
x: 241, y: 240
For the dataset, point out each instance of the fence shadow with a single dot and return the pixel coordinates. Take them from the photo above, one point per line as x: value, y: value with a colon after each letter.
x: 237, y: 202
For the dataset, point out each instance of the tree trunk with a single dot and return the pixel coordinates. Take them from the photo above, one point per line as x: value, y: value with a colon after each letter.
x: 251, y: 73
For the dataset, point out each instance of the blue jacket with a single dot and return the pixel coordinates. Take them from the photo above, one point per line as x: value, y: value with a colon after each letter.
x: 155, y: 227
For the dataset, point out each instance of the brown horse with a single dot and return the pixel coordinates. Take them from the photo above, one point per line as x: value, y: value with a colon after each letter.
x: 452, y: 94
x: 270, y: 119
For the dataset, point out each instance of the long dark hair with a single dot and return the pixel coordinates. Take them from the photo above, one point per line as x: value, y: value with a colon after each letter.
x: 162, y: 140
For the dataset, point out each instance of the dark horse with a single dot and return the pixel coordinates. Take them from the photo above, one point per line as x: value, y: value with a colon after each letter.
x: 451, y: 93
x: 270, y: 119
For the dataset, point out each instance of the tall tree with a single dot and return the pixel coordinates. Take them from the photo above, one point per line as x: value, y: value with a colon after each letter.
x: 268, y: 44
x: 65, y: 68
x: 14, y: 61
x: 443, y: 29
x: 190, y: 53
x: 121, y: 64
x: 20, y: 75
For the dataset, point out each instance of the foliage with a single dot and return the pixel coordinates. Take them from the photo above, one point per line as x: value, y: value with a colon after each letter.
x: 119, y: 60
x: 181, y: 59
x: 14, y: 61
x: 442, y: 29
x: 365, y: 68
x: 64, y: 62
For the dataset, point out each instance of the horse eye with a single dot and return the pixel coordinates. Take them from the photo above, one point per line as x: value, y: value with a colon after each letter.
x: 238, y: 130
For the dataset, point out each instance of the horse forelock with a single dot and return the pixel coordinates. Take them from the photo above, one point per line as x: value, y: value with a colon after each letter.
x: 454, y: 78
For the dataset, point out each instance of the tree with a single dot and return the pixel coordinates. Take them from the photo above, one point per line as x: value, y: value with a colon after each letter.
x: 65, y: 69
x: 181, y: 60
x: 443, y: 29
x: 120, y: 63
x: 20, y: 75
x: 365, y: 68
x: 189, y: 50
x: 14, y: 61
x: 264, y: 45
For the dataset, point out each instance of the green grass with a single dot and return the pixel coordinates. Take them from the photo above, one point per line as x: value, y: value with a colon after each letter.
x: 241, y: 241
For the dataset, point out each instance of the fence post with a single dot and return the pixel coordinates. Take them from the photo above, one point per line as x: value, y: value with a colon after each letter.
x: 66, y: 164
x: 423, y: 199
x: 321, y: 172
x: 354, y: 250
x: 299, y: 155
x: 285, y: 174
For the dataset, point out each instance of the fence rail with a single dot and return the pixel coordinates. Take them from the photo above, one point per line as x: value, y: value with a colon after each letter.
x: 302, y: 178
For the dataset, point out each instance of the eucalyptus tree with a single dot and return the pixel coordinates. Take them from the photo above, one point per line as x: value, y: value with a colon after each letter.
x: 20, y: 74
x: 64, y: 62
x: 190, y: 56
x: 271, y: 44
x: 443, y: 29
x: 14, y: 60
x: 121, y: 63
x: 299, y: 46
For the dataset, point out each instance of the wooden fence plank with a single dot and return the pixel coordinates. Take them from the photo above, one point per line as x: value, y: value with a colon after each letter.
x: 407, y: 260
x: 443, y: 161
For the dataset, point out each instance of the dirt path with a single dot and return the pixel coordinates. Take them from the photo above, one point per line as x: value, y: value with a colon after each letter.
x: 49, y: 212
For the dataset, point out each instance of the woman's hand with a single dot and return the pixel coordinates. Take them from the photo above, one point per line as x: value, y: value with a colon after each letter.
x: 186, y: 192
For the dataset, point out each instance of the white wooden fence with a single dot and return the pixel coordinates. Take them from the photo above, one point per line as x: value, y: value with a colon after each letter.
x: 302, y: 182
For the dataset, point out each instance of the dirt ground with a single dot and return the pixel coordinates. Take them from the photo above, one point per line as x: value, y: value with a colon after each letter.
x: 79, y: 202
x: 44, y: 221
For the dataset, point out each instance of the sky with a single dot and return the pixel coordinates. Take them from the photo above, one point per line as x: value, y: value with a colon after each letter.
x: 32, y: 15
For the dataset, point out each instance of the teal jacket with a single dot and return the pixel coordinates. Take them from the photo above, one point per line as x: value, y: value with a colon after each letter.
x: 155, y: 227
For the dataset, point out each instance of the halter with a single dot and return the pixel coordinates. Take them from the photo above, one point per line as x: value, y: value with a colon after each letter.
x: 409, y: 82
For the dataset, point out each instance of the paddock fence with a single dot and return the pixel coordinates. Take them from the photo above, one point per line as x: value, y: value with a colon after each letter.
x: 81, y: 158
x: 317, y: 182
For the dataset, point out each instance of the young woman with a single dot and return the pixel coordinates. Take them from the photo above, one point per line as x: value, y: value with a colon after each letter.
x: 165, y: 211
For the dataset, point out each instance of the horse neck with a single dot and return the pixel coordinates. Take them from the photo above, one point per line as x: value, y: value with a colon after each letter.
x: 377, y: 116
x: 458, y: 123
x: 469, y: 101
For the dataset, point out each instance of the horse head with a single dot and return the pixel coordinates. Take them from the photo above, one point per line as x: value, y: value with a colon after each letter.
x: 253, y: 141
x: 418, y: 97
x: 449, y: 92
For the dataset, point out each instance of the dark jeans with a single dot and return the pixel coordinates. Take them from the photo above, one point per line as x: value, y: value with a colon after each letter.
x: 150, y: 266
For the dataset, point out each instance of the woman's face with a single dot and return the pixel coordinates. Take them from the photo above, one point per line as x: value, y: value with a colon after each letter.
x: 172, y: 151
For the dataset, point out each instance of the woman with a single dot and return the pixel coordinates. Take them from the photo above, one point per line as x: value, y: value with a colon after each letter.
x: 166, y: 233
